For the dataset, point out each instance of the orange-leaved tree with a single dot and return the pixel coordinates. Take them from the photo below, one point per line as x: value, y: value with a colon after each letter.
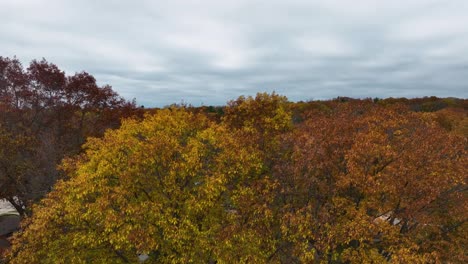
x: 373, y: 184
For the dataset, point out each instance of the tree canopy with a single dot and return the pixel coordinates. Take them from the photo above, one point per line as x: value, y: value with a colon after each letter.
x: 347, y: 182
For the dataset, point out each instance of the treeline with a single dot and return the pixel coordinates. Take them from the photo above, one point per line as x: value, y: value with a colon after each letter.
x: 262, y: 180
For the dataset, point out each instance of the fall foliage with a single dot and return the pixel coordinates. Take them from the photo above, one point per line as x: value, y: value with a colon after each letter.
x: 264, y: 180
x: 45, y: 116
x: 362, y: 183
x: 368, y: 184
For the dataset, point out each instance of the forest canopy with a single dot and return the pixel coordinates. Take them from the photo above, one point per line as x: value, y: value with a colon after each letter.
x: 263, y: 180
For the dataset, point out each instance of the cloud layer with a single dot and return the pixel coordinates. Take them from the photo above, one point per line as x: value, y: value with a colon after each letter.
x: 207, y: 52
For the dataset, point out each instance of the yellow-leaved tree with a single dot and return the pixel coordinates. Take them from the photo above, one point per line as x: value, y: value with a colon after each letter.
x: 159, y: 187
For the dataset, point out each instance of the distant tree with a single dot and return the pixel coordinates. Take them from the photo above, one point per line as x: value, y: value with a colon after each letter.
x: 453, y: 120
x: 266, y: 114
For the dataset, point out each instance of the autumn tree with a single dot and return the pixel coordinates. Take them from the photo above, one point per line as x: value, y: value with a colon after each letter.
x: 261, y: 117
x: 46, y: 115
x: 253, y: 233
x: 372, y: 184
x: 159, y: 187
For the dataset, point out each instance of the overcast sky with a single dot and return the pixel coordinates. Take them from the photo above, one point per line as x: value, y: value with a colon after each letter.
x: 207, y: 52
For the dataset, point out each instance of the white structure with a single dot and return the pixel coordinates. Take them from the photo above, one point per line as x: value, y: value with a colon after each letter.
x: 6, y: 208
x: 9, y: 218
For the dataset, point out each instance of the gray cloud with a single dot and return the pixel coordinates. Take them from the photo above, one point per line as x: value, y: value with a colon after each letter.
x: 163, y: 52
